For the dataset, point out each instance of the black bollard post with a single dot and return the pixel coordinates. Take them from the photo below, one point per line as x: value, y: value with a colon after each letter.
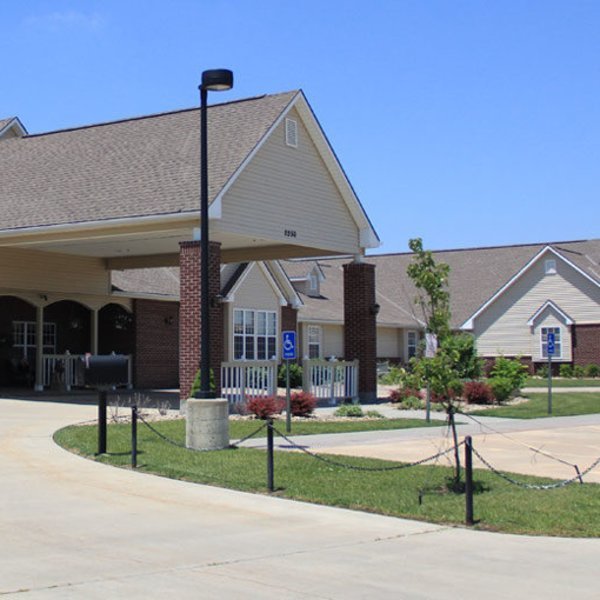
x: 469, y: 480
x: 134, y: 416
x: 102, y: 421
x: 270, y: 455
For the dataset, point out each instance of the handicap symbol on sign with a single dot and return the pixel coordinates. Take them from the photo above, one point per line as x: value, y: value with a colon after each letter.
x: 289, y: 345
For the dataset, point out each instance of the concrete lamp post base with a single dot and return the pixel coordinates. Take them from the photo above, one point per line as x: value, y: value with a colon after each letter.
x: 207, y: 424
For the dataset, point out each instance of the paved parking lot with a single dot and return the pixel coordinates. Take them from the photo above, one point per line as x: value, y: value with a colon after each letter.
x: 73, y: 528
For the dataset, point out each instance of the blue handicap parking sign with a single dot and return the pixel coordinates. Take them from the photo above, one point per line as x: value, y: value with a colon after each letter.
x: 288, y: 345
x: 550, y: 344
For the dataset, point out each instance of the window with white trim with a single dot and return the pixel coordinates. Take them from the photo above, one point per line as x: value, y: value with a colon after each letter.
x: 254, y: 334
x: 314, y: 341
x: 557, y: 341
x: 412, y: 341
x: 24, y: 333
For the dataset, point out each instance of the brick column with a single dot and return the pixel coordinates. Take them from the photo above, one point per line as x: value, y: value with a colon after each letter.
x: 360, y: 328
x: 289, y: 322
x: 189, y: 315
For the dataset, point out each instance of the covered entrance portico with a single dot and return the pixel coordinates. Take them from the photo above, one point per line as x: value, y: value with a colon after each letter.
x: 271, y: 197
x: 42, y: 337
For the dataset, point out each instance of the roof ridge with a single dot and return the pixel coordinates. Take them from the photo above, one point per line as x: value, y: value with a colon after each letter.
x: 155, y: 115
x: 496, y: 247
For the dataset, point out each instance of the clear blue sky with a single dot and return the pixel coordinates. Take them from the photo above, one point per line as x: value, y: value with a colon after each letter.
x: 467, y: 123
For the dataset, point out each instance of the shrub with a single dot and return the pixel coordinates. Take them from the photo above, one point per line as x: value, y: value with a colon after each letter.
x: 511, y: 369
x: 462, y: 346
x: 394, y: 376
x: 542, y: 371
x: 502, y: 387
x: 565, y: 371
x: 295, y: 376
x: 403, y: 394
x: 411, y: 403
x: 264, y: 407
x: 373, y: 414
x: 349, y: 410
x: 436, y: 398
x: 477, y: 392
x: 578, y: 371
x: 302, y: 404
x: 196, y: 383
x: 592, y: 371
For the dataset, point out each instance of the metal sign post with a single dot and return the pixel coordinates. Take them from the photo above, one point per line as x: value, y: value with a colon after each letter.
x: 288, y: 353
x: 551, y: 349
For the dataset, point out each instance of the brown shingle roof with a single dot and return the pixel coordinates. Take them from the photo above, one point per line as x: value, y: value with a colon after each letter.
x: 141, y: 166
x: 476, y: 274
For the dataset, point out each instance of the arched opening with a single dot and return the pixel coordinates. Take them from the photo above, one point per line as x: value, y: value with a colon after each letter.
x: 67, y: 326
x: 115, y: 330
x: 17, y: 342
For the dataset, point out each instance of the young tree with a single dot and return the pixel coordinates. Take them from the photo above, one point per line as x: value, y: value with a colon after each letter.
x: 456, y: 356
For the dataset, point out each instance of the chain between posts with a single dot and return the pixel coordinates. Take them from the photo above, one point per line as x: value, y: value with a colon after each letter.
x: 532, y: 448
x: 359, y: 468
x: 532, y: 486
x: 180, y: 445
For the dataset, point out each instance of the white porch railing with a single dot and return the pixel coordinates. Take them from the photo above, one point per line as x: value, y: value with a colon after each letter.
x: 65, y: 371
x: 332, y: 380
x: 243, y: 379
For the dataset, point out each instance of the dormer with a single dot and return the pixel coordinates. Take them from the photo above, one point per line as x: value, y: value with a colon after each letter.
x: 11, y: 128
x: 309, y: 283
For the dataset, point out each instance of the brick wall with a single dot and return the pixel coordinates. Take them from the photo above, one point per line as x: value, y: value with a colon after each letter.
x: 189, y: 320
x: 586, y: 344
x: 360, y: 328
x: 156, y: 352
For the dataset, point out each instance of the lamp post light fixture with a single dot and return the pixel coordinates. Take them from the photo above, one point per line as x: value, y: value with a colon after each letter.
x: 215, y: 80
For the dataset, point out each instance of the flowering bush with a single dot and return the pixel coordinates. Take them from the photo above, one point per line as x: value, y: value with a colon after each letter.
x: 264, y: 407
x: 302, y: 404
x: 477, y: 392
x: 404, y: 394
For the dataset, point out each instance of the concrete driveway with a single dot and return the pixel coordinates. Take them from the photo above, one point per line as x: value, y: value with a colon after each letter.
x: 72, y: 528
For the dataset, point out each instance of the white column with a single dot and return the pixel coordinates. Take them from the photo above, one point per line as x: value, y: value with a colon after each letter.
x: 94, y: 340
x: 39, y: 349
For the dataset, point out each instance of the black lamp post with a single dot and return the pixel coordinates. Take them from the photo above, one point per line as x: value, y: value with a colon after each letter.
x: 215, y: 80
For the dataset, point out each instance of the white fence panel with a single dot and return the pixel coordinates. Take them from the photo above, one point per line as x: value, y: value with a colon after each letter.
x: 242, y: 379
x: 332, y: 380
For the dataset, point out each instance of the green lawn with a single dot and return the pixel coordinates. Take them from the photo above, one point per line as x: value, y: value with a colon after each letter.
x: 240, y: 429
x: 570, y: 511
x: 563, y: 405
x: 542, y: 382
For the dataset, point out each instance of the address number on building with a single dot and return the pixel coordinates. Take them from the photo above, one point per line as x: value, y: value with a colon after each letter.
x: 289, y: 233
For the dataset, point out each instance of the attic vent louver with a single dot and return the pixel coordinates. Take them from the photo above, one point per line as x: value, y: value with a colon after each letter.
x: 550, y: 266
x: 291, y: 133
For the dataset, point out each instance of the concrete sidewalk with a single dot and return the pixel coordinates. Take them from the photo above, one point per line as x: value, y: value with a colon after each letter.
x: 73, y: 528
x: 508, y: 444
